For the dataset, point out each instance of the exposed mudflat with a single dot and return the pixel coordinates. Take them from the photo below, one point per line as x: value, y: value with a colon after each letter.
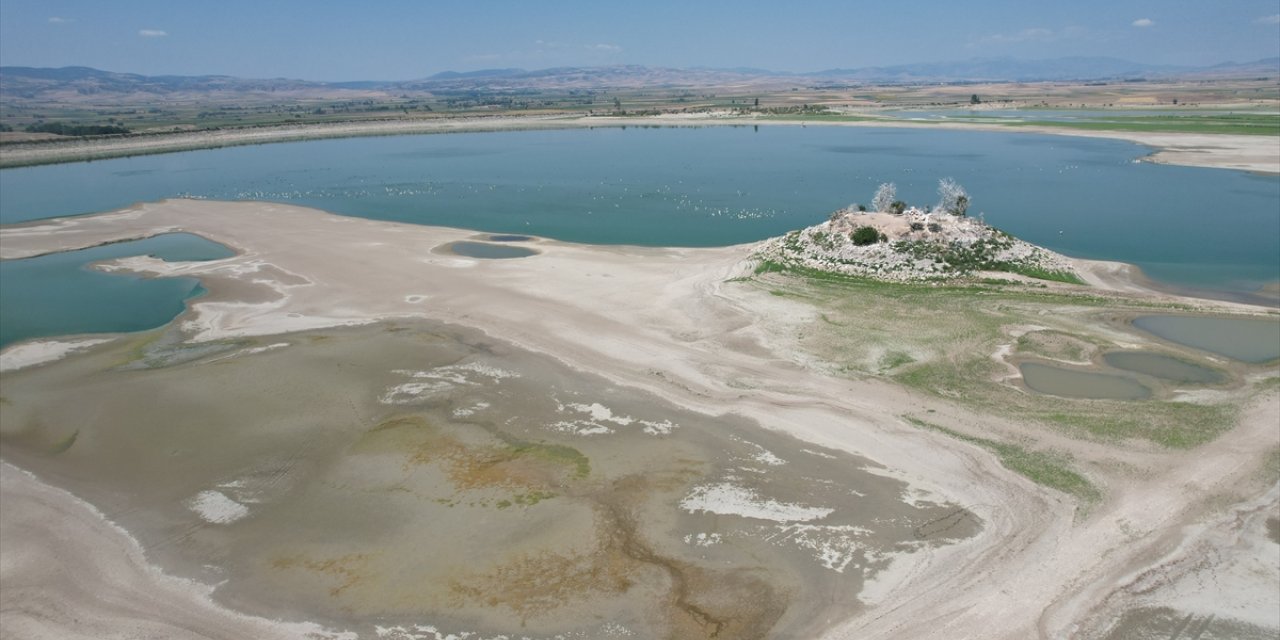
x: 1160, y: 623
x: 399, y: 476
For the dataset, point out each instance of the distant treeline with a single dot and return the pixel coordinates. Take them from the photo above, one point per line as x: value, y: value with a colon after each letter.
x: 63, y: 129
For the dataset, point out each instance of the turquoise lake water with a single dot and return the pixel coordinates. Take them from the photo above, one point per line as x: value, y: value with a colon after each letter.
x: 1210, y: 229
x: 711, y: 186
x: 58, y: 294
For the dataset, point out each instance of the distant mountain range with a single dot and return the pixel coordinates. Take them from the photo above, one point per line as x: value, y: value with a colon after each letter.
x: 84, y: 83
x: 975, y: 70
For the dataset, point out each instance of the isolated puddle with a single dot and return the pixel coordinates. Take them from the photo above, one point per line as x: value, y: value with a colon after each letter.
x: 1072, y: 383
x: 1161, y: 366
x: 486, y: 251
x: 1252, y: 340
x: 62, y: 294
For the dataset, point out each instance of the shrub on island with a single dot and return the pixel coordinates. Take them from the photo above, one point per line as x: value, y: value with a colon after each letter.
x: 863, y: 236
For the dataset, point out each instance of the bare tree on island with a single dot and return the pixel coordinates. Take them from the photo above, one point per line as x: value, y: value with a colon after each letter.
x: 953, y: 198
x: 885, y: 196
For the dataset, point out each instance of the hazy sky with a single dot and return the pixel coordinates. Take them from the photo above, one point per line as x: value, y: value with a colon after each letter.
x: 321, y: 40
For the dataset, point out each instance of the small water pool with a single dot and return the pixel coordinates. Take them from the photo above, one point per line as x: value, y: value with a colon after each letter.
x: 1252, y: 340
x: 58, y: 294
x: 508, y: 237
x: 1071, y: 383
x: 1161, y: 366
x: 487, y: 251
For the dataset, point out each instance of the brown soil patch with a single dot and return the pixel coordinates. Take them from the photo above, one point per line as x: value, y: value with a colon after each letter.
x: 345, y: 571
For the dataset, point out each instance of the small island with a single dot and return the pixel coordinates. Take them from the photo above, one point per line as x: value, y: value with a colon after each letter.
x: 898, y: 242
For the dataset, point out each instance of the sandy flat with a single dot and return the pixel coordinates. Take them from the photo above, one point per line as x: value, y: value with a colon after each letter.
x: 665, y: 321
x: 35, y: 352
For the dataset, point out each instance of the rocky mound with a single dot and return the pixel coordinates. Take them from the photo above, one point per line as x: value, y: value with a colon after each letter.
x: 912, y: 246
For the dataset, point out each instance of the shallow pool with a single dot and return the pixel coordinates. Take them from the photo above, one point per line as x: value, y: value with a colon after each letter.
x: 1161, y: 366
x: 1071, y: 383
x: 60, y: 294
x: 487, y: 251
x: 1253, y: 340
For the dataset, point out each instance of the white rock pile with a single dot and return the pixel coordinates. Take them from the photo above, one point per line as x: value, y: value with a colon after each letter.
x: 912, y: 246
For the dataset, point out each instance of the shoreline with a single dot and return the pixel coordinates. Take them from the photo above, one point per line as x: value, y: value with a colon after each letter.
x: 1125, y: 277
x: 1252, y: 153
x: 668, y: 321
x: 97, y: 556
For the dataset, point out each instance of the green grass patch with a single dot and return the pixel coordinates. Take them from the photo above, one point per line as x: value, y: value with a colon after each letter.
x: 1040, y: 273
x: 1054, y: 345
x: 138, y: 348
x: 866, y: 327
x: 525, y: 499
x: 948, y: 378
x: 1176, y: 425
x: 895, y: 359
x: 533, y: 497
x: 1271, y: 466
x: 1234, y: 124
x: 62, y: 445
x: 813, y: 276
x: 822, y: 117
x: 555, y: 453
x: 1052, y: 470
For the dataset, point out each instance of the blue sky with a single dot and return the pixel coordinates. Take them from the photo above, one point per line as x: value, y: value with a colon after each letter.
x: 398, y: 40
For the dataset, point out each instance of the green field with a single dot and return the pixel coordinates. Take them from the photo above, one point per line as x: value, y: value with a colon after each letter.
x: 1048, y: 468
x: 939, y: 338
x: 1258, y: 124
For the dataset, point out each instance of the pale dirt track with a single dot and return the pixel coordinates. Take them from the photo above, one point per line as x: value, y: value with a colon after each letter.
x: 664, y: 320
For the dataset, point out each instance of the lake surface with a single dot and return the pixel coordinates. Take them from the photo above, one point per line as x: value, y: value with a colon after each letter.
x: 717, y: 186
x: 58, y: 294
